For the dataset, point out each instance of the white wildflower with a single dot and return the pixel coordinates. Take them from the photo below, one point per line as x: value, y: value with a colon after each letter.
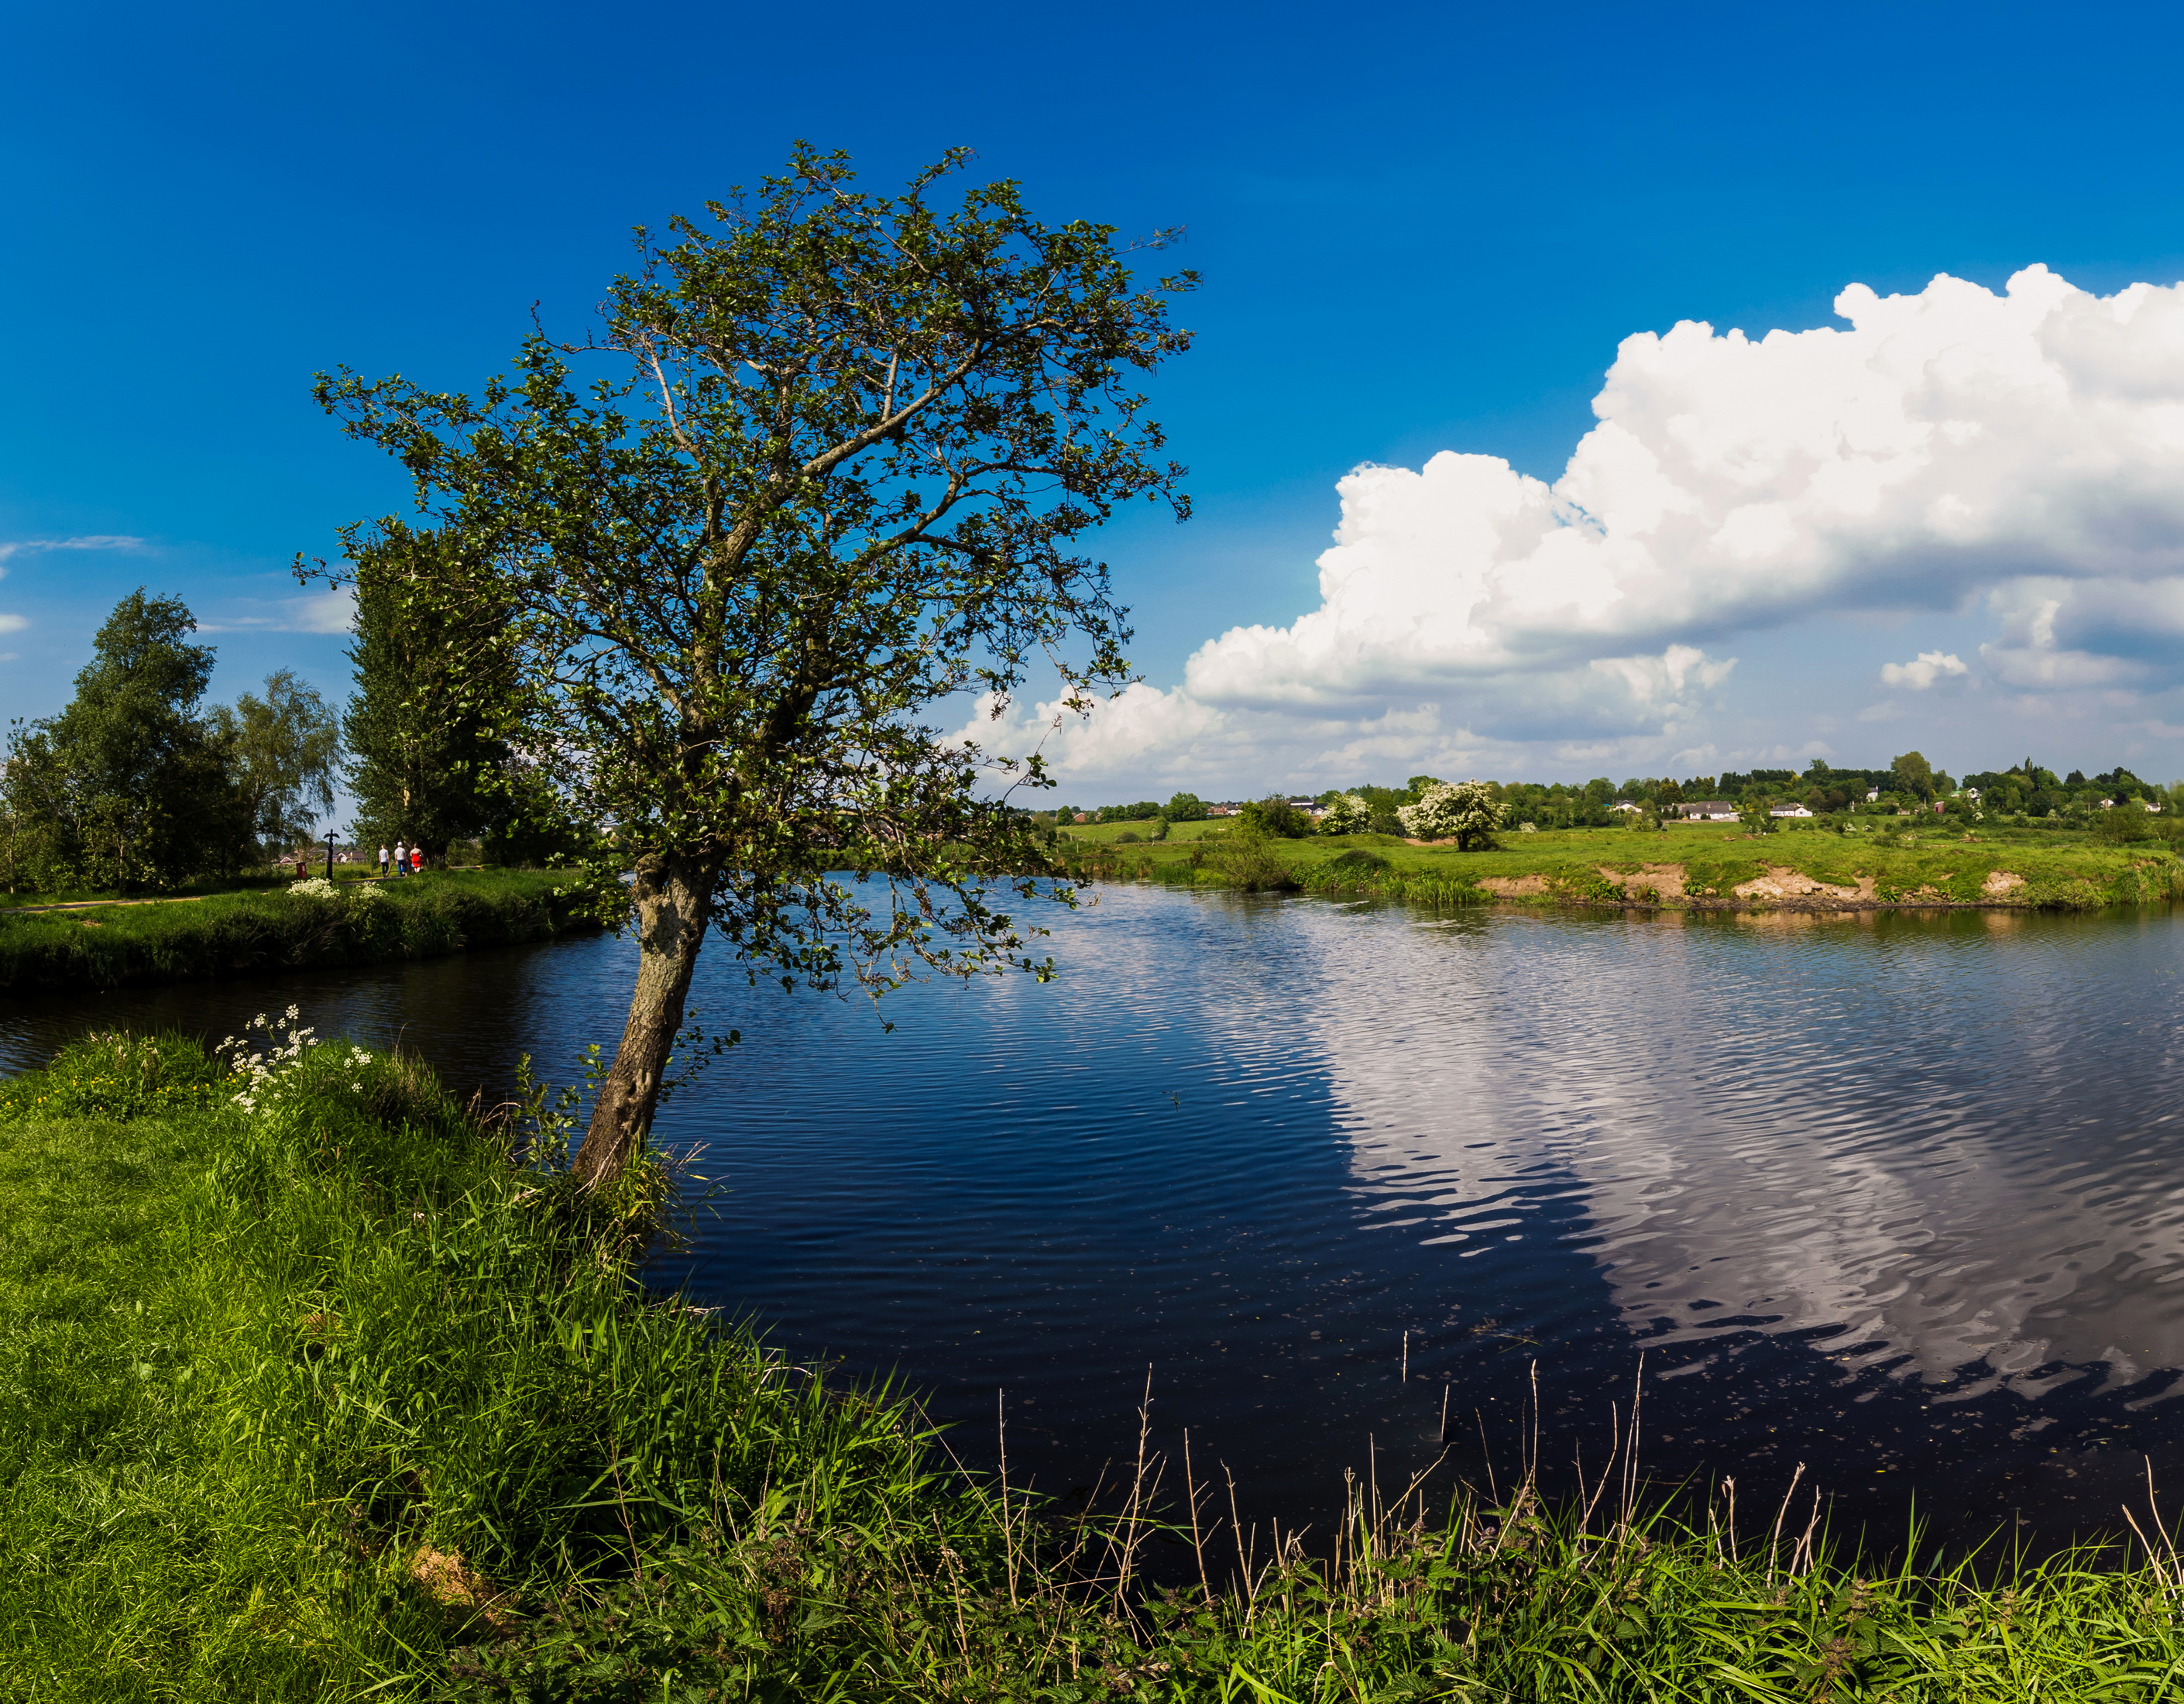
x: 261, y: 1071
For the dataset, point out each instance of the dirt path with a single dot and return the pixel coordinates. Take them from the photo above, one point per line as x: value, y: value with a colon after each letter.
x: 97, y: 905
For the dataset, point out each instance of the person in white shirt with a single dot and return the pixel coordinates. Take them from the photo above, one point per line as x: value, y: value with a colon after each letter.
x: 401, y: 859
x: 382, y: 862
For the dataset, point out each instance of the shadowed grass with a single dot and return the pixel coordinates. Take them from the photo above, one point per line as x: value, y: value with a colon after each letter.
x: 340, y: 1397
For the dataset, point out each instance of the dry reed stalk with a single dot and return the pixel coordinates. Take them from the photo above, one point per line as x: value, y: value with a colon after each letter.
x: 1775, y: 1538
x: 1008, y: 1534
x: 1197, y: 1544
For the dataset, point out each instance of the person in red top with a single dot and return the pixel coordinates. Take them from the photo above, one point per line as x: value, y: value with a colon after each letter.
x: 416, y: 861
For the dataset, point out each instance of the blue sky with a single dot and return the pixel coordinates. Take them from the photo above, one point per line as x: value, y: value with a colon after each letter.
x: 1421, y: 229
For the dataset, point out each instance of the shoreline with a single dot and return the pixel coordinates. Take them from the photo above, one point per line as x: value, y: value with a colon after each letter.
x: 1801, y: 873
x: 109, y: 944
x: 178, y: 1258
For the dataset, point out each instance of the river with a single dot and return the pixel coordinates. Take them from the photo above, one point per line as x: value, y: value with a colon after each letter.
x: 1897, y: 1196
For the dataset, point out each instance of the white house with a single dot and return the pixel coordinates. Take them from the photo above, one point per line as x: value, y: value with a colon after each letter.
x: 1625, y: 804
x: 1788, y: 810
x: 1709, y: 810
x: 1872, y: 795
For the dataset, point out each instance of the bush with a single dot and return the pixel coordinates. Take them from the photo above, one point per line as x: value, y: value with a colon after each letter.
x: 1464, y: 811
x: 2125, y: 824
x: 1276, y: 817
x: 1245, y: 858
x: 1355, y: 867
x: 1347, y: 814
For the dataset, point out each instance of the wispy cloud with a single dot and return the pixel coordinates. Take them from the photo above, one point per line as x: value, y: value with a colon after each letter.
x: 323, y: 612
x: 89, y: 541
x: 13, y: 624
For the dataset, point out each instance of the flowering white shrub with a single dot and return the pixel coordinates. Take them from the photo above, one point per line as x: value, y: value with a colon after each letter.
x: 1463, y: 812
x: 1347, y: 814
x: 319, y: 888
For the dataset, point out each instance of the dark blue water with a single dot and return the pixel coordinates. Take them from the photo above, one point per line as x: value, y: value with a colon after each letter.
x: 1898, y: 1198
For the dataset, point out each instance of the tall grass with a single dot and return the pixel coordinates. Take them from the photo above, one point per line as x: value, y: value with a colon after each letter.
x: 352, y: 1395
x: 236, y: 934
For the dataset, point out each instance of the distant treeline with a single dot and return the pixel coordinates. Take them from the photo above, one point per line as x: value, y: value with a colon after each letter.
x: 2023, y: 789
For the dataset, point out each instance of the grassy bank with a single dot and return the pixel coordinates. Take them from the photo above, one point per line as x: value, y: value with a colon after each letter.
x: 331, y: 1396
x: 1701, y: 866
x: 236, y: 934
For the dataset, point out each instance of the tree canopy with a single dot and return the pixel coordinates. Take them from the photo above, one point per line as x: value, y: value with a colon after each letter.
x: 129, y: 786
x: 831, y: 474
x: 433, y: 656
x: 283, y: 753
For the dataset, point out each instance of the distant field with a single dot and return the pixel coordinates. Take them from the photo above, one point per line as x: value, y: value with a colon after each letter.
x: 1896, y: 861
x: 1106, y: 834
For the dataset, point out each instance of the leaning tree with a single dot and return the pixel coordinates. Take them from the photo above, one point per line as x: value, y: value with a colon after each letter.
x: 831, y: 476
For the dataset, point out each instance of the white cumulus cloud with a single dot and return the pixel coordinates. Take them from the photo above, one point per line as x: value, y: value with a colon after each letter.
x: 1923, y: 670
x: 1939, y: 452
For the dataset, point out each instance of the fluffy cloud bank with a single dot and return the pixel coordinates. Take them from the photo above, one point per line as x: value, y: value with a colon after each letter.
x: 1957, y: 447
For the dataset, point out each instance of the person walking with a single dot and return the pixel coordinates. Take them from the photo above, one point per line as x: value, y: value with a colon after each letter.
x: 401, y: 859
x: 382, y: 863
x: 416, y: 861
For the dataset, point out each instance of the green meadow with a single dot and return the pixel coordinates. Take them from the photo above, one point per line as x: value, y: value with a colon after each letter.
x: 338, y: 1391
x: 1698, y: 864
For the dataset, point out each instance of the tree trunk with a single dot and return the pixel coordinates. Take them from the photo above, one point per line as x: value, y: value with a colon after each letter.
x: 674, y: 901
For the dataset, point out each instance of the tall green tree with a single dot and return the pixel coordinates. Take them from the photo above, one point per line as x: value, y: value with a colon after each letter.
x: 831, y: 477
x: 434, y: 672
x: 129, y: 786
x: 283, y: 752
x: 1914, y: 775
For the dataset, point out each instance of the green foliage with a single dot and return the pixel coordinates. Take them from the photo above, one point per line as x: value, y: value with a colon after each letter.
x: 1276, y: 817
x: 1354, y: 868
x: 1185, y: 807
x: 1757, y: 815
x: 2125, y: 823
x: 835, y: 473
x: 282, y: 751
x: 1914, y: 775
x: 1245, y: 857
x: 129, y: 787
x: 116, y: 1075
x: 435, y: 681
x: 1144, y: 810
